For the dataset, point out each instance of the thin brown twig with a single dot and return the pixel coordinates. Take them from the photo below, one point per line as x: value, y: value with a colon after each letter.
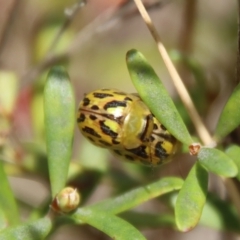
x: 183, y: 93
x: 35, y: 71
x: 8, y: 22
x: 102, y: 23
x: 186, y: 33
x: 70, y: 15
x: 186, y: 36
x: 97, y: 25
x: 50, y: 58
x: 108, y: 18
x: 84, y: 35
x: 149, y: 6
x: 181, y: 89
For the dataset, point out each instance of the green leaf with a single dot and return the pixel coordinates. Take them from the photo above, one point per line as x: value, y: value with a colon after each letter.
x: 113, y: 226
x: 146, y: 220
x: 59, y: 109
x: 220, y: 215
x: 8, y: 204
x: 217, y: 162
x: 230, y: 116
x: 234, y: 153
x: 139, y: 195
x: 124, y: 202
x: 9, y: 85
x: 3, y: 220
x: 36, y: 230
x: 156, y: 97
x: 191, y: 198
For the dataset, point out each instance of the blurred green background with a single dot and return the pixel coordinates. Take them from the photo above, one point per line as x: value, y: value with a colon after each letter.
x: 93, y: 49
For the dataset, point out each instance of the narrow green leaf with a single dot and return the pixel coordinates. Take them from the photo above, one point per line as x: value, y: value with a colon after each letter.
x: 230, y: 116
x: 36, y: 230
x: 138, y: 196
x: 111, y: 225
x: 59, y: 109
x: 220, y: 215
x: 234, y: 153
x: 191, y: 198
x: 147, y: 220
x: 9, y: 86
x: 8, y: 204
x: 3, y: 220
x: 217, y: 162
x: 156, y: 97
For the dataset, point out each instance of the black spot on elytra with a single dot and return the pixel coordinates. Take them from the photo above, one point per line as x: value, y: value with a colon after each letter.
x: 120, y: 93
x: 143, y: 136
x: 106, y: 130
x: 152, y: 138
x: 92, y: 140
x: 105, y: 143
x: 111, y: 116
x: 94, y: 107
x: 102, y: 95
x: 86, y: 101
x: 128, y: 157
x: 163, y: 127
x: 81, y: 118
x: 155, y: 126
x: 160, y: 152
x: 168, y: 137
x: 139, y: 151
x: 91, y: 132
x: 117, y: 152
x: 93, y: 117
x: 114, y: 104
x: 115, y: 142
x: 127, y: 99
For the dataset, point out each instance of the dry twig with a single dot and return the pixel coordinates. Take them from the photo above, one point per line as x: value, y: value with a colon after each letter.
x: 181, y: 89
x: 7, y: 24
x: 186, y: 99
x: 109, y: 18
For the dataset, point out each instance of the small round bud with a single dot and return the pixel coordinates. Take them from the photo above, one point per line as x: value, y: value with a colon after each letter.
x: 194, y: 149
x: 66, y: 200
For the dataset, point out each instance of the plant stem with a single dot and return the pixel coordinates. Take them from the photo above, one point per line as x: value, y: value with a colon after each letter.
x: 202, y: 131
x: 70, y: 14
x: 189, y: 18
x: 83, y: 36
x: 181, y: 89
x: 10, y: 16
x: 50, y: 58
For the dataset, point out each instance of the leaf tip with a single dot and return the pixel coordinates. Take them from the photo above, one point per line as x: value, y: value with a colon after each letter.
x: 186, y: 229
x: 58, y: 72
x: 131, y: 53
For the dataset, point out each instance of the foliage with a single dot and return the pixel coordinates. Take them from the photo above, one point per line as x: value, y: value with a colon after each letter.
x: 189, y: 201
